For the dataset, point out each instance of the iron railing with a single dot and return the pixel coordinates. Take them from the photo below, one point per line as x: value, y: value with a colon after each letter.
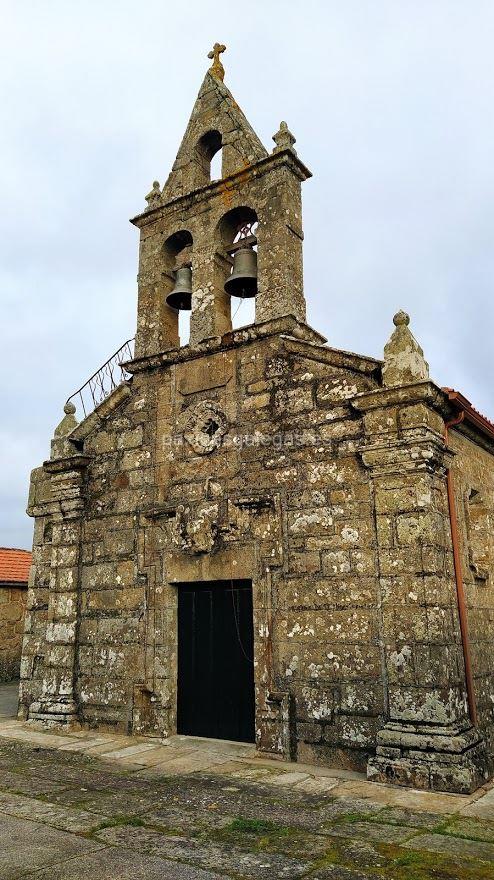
x: 101, y: 384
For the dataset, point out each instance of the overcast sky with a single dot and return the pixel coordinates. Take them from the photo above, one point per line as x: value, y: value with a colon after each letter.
x: 392, y: 107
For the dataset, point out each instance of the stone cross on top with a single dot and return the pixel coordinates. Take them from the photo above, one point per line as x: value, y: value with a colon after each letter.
x: 217, y: 70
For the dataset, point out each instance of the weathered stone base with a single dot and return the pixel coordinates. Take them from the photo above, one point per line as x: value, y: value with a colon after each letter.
x: 442, y: 758
x: 55, y: 715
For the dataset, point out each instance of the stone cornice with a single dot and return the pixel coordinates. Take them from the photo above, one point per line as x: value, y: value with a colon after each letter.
x: 66, y: 464
x: 417, y: 392
x: 221, y: 187
x: 332, y: 356
x: 426, y: 452
x: 286, y: 327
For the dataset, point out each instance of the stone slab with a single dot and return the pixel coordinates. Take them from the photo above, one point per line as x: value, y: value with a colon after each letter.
x: 9, y: 697
x: 120, y: 864
x: 223, y: 746
x: 131, y: 751
x: 339, y: 872
x: 159, y: 756
x: 369, y: 831
x: 109, y: 802
x: 10, y: 724
x: 29, y: 845
x: 77, y: 821
x: 407, y: 798
x: 205, y: 854
x: 192, y: 762
x: 402, y: 816
x: 30, y: 784
x: 119, y: 742
x: 453, y: 846
x: 83, y: 744
x: 35, y: 737
x: 316, y: 786
x: 483, y: 807
x: 286, y: 778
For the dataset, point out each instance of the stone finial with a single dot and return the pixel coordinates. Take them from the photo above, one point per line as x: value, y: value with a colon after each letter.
x: 154, y: 196
x: 59, y: 445
x: 284, y: 139
x: 404, y: 360
x: 217, y: 70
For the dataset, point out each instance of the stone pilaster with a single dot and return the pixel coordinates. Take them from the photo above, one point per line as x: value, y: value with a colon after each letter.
x: 157, y: 323
x: 280, y: 237
x: 211, y: 306
x: 427, y: 740
x: 57, y: 502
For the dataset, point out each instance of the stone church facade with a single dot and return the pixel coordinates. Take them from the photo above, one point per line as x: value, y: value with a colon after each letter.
x: 297, y: 536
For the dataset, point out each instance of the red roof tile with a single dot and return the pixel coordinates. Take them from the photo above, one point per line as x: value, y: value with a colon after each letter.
x: 14, y: 565
x: 472, y: 415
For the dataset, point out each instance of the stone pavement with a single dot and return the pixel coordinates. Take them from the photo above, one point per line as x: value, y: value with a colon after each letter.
x: 105, y: 807
x: 8, y: 700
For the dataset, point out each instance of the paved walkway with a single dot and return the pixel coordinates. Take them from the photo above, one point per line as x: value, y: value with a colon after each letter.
x: 102, y: 807
x: 8, y: 700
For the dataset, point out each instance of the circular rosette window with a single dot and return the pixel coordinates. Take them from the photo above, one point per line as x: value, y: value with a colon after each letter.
x: 205, y: 427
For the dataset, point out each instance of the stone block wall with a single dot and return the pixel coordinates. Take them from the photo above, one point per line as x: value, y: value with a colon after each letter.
x: 120, y: 483
x: 284, y: 495
x: 473, y: 477
x: 266, y: 456
x: 12, y: 610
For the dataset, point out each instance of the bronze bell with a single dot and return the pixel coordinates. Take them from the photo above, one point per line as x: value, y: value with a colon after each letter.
x: 243, y: 280
x: 181, y: 295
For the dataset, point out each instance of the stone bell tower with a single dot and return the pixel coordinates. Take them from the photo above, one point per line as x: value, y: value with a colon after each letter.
x: 194, y: 221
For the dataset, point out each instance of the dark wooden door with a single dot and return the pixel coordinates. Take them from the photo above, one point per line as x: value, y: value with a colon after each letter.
x: 215, y: 660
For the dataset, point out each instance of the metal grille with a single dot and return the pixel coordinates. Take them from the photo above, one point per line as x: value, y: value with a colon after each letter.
x: 101, y: 384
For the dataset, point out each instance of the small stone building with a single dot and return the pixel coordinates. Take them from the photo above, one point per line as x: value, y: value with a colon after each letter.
x: 257, y: 536
x: 14, y: 573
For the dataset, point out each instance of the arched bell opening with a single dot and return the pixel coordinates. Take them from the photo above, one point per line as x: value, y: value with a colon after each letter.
x: 177, y: 278
x: 237, y: 232
x: 209, y: 157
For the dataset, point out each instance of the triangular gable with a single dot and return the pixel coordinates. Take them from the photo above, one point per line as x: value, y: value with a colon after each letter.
x: 215, y: 110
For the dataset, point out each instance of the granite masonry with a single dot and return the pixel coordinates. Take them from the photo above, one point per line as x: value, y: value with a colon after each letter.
x: 14, y: 572
x: 355, y: 497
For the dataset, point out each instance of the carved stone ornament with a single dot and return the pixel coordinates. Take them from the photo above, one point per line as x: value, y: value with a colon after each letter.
x: 196, y: 530
x: 205, y: 425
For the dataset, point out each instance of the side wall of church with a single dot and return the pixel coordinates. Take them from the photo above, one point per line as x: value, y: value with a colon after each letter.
x: 473, y: 474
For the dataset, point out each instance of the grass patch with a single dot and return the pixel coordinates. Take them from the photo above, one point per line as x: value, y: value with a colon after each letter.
x: 409, y: 858
x: 352, y: 818
x: 135, y: 821
x: 263, y: 836
x: 256, y: 826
